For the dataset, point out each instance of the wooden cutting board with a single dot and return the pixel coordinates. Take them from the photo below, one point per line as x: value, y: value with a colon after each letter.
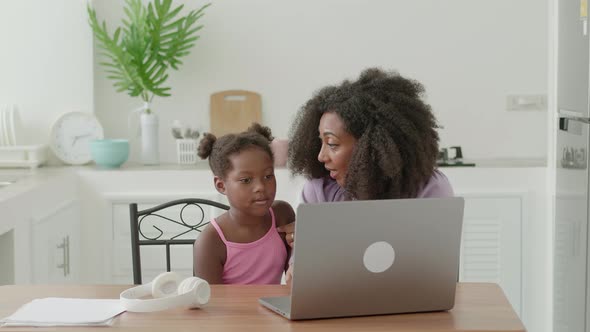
x: 234, y: 111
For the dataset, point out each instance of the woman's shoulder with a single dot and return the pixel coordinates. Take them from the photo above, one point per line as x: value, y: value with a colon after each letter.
x: 437, y: 186
x: 319, y: 190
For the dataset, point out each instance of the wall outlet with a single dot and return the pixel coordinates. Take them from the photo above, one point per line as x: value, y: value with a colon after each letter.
x: 526, y: 102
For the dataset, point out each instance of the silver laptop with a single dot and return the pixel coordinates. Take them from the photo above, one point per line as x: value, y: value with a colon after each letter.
x: 373, y: 257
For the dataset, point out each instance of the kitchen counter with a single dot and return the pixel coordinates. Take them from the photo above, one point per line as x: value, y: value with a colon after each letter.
x: 495, y: 163
x: 204, y: 165
x: 509, y: 162
x: 134, y: 175
x: 27, y: 187
x: 26, y: 180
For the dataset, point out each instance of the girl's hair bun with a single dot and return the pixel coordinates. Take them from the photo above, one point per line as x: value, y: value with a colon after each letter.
x: 262, y: 130
x: 206, y: 145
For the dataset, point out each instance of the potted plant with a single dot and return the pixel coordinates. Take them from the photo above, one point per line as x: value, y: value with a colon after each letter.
x: 152, y: 39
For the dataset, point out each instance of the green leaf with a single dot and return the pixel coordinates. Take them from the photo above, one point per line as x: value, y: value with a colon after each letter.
x: 152, y: 39
x: 173, y: 13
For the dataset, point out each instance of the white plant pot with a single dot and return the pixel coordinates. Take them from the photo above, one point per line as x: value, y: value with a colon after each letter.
x: 149, y: 139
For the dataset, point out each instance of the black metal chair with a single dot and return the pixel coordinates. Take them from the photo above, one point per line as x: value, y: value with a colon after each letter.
x: 136, y: 231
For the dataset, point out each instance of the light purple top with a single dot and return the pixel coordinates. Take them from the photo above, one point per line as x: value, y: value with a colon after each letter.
x: 328, y: 190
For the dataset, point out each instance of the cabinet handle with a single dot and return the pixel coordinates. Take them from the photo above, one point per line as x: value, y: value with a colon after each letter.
x: 567, y: 115
x: 65, y: 246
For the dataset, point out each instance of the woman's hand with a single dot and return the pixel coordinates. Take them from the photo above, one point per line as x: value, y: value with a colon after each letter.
x: 289, y: 230
x: 289, y: 275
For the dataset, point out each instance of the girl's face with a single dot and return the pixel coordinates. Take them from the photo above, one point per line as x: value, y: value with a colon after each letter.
x: 250, y: 184
x: 337, y: 146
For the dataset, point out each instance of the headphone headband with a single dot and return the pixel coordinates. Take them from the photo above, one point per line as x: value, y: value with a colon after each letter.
x: 192, y: 292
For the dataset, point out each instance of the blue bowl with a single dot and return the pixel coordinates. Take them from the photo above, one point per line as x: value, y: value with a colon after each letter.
x: 109, y: 153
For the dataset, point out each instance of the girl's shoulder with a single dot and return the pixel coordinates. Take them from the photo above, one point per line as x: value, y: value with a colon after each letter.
x: 210, y: 237
x: 283, y: 212
x: 210, y: 243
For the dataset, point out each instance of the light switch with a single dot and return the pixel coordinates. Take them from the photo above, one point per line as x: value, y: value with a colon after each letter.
x: 526, y: 102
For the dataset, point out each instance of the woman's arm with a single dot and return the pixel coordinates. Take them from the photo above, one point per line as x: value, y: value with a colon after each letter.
x: 313, y: 192
x: 289, y: 230
x: 284, y: 215
x: 209, y: 254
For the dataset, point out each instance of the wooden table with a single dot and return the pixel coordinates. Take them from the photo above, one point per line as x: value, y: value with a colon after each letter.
x: 478, y: 307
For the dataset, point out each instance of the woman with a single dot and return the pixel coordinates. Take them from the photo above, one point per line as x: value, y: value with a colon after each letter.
x: 375, y: 139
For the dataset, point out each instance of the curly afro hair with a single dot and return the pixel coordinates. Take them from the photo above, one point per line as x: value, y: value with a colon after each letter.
x: 396, y: 132
x: 219, y: 150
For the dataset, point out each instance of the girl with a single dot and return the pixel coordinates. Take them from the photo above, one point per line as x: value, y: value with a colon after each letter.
x: 242, y: 246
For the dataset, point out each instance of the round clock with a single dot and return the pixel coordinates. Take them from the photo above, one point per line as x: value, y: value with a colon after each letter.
x: 71, y: 135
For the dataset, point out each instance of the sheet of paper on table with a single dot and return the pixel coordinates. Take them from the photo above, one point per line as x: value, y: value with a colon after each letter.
x: 53, y: 311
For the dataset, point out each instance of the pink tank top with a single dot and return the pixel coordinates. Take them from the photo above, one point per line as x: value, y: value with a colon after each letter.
x: 259, y: 262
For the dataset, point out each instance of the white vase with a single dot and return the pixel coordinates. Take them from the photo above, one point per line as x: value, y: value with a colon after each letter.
x: 149, y: 139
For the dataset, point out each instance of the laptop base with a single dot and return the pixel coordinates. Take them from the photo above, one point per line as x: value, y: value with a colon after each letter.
x: 280, y: 305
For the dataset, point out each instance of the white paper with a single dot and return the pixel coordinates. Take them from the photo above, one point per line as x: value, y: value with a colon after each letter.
x: 54, y: 311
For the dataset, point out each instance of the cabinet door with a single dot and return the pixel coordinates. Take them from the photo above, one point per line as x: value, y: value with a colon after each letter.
x: 569, y: 296
x: 491, y: 243
x: 56, y: 244
x: 153, y: 258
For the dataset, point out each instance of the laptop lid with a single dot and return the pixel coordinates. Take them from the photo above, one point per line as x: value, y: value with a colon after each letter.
x: 376, y: 257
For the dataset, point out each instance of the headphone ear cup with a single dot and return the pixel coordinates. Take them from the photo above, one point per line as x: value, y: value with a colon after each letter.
x: 186, y: 285
x: 200, y: 289
x: 166, y: 284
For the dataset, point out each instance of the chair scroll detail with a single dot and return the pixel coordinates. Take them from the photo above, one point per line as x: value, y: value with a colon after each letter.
x: 139, y: 237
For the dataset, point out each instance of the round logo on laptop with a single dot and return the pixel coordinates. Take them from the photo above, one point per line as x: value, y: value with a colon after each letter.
x: 379, y: 257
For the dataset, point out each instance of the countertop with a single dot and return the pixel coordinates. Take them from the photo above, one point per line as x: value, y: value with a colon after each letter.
x: 203, y: 165
x: 507, y: 162
x: 28, y: 179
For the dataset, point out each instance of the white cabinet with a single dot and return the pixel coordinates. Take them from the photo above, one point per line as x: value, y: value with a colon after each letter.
x: 56, y: 244
x: 7, y: 258
x: 505, y: 233
x: 44, y: 211
x: 491, y: 242
x: 570, y: 261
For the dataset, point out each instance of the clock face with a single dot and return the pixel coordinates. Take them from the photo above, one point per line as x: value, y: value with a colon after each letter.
x: 71, y: 135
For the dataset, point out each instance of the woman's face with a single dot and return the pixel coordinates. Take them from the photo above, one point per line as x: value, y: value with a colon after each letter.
x: 337, y: 146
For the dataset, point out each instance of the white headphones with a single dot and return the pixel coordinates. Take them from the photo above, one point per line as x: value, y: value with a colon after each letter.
x: 168, y: 290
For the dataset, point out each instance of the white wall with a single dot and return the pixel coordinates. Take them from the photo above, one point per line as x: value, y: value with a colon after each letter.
x: 470, y: 55
x: 468, y: 59
x: 46, y: 58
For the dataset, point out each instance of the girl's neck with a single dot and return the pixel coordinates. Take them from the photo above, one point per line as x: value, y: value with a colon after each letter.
x: 245, y: 220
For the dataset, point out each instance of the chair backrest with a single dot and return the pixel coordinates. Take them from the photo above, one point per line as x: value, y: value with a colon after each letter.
x: 139, y: 238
